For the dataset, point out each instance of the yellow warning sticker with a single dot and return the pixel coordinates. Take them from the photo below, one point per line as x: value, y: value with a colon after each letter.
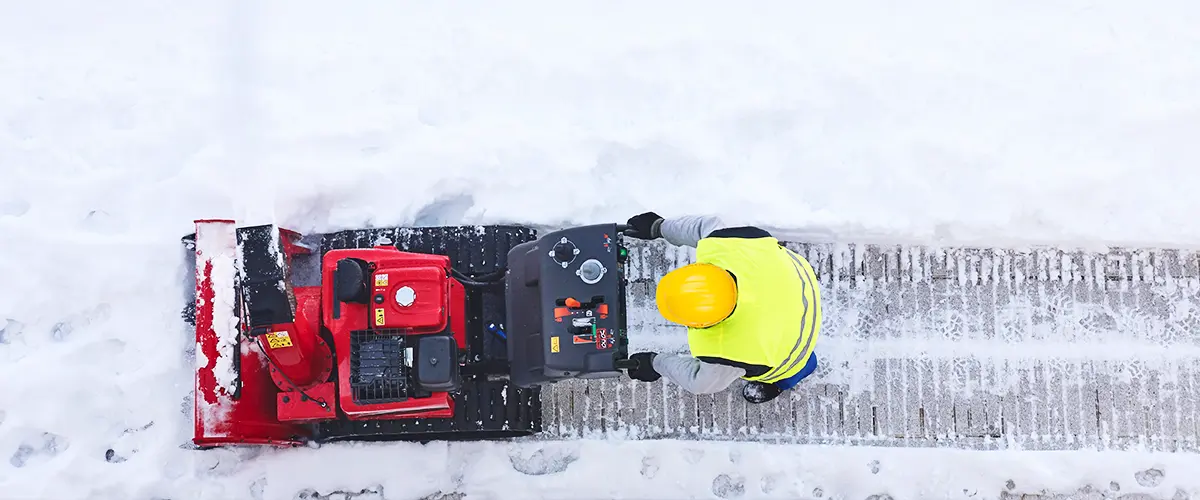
x: 279, y: 339
x: 379, y: 317
x: 554, y: 347
x: 381, y: 279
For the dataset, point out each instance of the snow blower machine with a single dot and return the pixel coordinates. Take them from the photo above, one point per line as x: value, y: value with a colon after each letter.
x: 411, y: 333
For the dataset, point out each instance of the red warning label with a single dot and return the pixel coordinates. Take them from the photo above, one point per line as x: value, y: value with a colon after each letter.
x: 604, y: 339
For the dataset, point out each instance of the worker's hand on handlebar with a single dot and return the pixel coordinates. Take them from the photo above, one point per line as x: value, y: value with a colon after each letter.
x: 646, y: 226
x: 644, y: 370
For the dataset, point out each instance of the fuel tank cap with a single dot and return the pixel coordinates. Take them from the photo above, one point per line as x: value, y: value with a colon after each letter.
x: 405, y: 296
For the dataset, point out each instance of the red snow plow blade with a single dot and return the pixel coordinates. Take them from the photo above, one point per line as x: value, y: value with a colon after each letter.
x: 234, y: 395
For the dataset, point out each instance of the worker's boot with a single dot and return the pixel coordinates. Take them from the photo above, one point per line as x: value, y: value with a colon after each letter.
x: 758, y: 392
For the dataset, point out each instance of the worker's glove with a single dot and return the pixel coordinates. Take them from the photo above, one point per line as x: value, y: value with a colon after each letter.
x: 647, y: 226
x: 644, y: 370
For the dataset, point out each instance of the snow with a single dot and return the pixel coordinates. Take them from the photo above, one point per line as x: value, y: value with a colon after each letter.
x: 633, y: 470
x: 217, y: 246
x: 991, y: 123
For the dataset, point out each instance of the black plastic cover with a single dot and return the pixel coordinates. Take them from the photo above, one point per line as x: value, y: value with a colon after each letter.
x: 349, y: 282
x: 436, y: 363
x: 268, y: 299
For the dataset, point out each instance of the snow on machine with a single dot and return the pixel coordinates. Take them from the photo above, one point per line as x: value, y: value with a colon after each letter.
x: 411, y: 333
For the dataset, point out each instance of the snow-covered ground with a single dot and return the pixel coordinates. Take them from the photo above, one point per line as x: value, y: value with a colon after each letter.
x: 986, y: 122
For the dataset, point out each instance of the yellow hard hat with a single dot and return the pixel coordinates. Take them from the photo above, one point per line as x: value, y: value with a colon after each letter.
x: 696, y: 295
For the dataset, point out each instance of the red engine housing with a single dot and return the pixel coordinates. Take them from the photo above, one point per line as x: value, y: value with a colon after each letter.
x: 410, y: 292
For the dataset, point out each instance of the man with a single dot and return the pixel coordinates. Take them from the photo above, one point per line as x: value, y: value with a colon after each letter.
x: 752, y: 308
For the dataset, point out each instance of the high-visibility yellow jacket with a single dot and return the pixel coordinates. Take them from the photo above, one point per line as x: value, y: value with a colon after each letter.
x: 775, y: 325
x: 765, y: 328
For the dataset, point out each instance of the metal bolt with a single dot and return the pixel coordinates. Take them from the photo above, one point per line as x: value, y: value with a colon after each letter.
x: 433, y: 361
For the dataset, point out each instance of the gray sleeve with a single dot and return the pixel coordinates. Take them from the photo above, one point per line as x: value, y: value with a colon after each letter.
x: 689, y: 229
x: 695, y: 376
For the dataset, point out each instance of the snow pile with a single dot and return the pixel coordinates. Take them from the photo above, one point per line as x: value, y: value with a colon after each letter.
x: 120, y: 122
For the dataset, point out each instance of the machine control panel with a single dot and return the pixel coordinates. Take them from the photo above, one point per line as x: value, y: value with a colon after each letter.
x: 573, y: 281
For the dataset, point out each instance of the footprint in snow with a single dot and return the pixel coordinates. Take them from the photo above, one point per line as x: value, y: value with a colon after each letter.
x: 649, y: 467
x: 46, y: 444
x: 768, y: 483
x: 727, y: 486
x: 112, y: 457
x: 257, y: 488
x: 445, y: 496
x: 375, y: 493
x: 63, y: 329
x: 10, y: 330
x: 547, y: 459
x: 1150, y: 477
x: 126, y: 444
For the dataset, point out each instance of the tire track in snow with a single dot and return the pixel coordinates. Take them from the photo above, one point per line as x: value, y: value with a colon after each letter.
x: 955, y: 347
